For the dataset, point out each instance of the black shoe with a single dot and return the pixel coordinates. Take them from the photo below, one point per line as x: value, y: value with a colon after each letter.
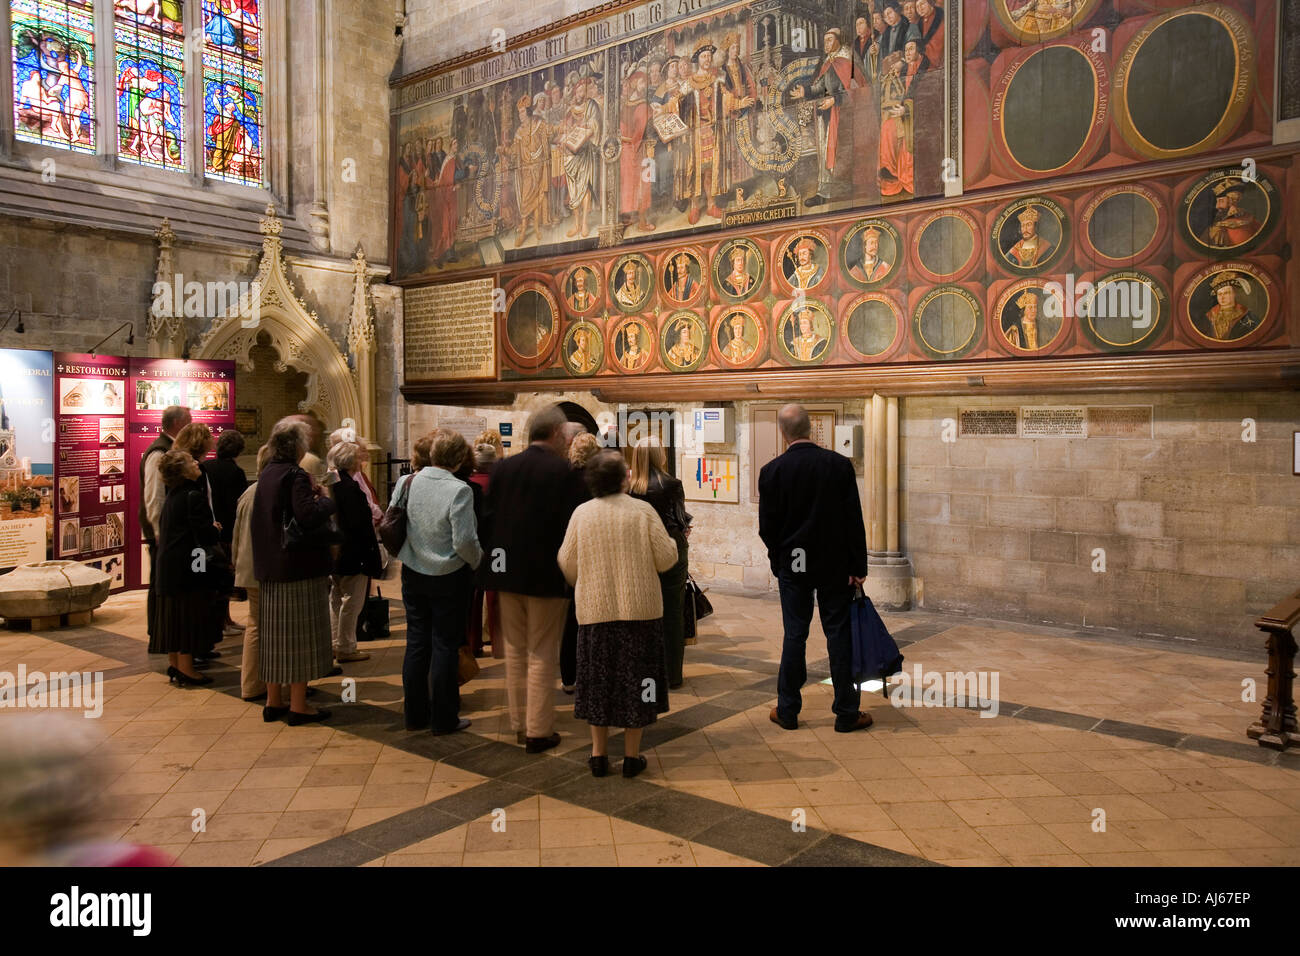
x: 633, y: 766
x: 535, y: 745
x: 272, y: 714
x: 861, y: 722
x: 179, y: 677
x: 463, y: 724
x: 335, y: 671
x: 599, y: 765
x: 677, y: 686
x: 255, y: 698
x: 776, y: 718
x: 296, y: 719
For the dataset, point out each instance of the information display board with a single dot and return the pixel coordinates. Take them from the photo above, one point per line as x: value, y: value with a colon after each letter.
x: 27, y: 492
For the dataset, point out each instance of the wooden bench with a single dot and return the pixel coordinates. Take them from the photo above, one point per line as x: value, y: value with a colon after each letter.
x: 1276, y: 726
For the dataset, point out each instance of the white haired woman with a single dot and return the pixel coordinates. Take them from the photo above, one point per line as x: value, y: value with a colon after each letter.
x: 358, y: 558
x: 291, y: 561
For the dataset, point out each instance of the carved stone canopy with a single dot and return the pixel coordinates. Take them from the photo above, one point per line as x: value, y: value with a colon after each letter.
x: 272, y: 305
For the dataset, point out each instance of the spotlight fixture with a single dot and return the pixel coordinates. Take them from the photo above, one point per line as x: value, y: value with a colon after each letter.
x: 130, y: 338
x: 19, y: 327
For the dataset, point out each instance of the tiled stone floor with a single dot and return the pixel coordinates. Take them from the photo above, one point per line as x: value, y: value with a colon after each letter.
x: 1150, y: 734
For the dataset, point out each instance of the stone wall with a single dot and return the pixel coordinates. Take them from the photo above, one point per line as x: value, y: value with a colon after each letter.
x: 1200, y: 530
x: 724, y: 547
x: 438, y: 30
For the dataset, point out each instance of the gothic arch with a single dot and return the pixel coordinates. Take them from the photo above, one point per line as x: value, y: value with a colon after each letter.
x: 274, y: 307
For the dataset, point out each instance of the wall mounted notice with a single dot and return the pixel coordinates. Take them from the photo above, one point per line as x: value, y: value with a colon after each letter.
x: 1119, y: 421
x: 90, y: 467
x: 711, y: 478
x: 448, y: 331
x: 988, y: 422
x: 1053, y: 422
x: 206, y: 388
x: 26, y: 457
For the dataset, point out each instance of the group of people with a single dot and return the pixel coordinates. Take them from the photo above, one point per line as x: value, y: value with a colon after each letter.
x: 575, y: 555
x: 299, y: 543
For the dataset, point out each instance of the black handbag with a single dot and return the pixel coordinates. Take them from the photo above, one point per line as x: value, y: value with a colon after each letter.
x: 293, y: 536
x: 695, y: 595
x: 372, y: 623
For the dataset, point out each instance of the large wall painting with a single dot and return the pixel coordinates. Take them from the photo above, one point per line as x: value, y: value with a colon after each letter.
x: 752, y: 113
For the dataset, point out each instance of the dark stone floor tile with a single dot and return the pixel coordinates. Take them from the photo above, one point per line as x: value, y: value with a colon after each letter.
x: 1152, y: 735
x: 681, y: 814
x: 607, y: 795
x: 1247, y: 749
x: 1061, y: 718
x: 756, y: 836
x: 340, y: 851
x: 492, y: 758
x: 548, y: 772
x: 837, y: 850
x: 481, y: 799
x: 405, y: 829
x: 701, y: 715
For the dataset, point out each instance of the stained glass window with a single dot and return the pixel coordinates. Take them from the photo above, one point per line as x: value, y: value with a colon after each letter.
x: 232, y: 91
x: 54, y: 72
x: 149, y: 41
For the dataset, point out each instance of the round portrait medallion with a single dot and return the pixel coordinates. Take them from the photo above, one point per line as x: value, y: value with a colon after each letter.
x: 945, y: 244
x: 580, y: 288
x: 738, y: 270
x: 583, y: 349
x: 1122, y: 224
x: 738, y: 337
x: 805, y: 332
x: 683, y: 342
x: 1122, y: 311
x: 632, y: 344
x: 803, y: 260
x: 1030, y: 316
x: 1029, y: 235
x: 874, y: 326
x: 869, y: 253
x: 631, y: 281
x: 1032, y: 21
x: 532, y: 324
x: 1225, y: 214
x: 681, y: 276
x: 1226, y: 303
x: 1209, y: 45
x: 1051, y: 110
x: 947, y: 322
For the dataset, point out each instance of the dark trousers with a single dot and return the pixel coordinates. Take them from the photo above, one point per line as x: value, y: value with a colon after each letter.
x: 569, y: 647
x: 833, y: 601
x: 151, y: 602
x: 437, y: 607
x: 672, y: 588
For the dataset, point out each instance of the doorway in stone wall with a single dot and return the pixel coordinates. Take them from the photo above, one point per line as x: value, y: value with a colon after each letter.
x: 266, y: 390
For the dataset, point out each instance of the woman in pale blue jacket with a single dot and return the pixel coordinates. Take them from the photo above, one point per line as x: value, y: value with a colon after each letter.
x: 438, y: 562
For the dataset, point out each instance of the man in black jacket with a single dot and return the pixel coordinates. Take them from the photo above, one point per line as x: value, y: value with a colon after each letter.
x: 810, y: 518
x: 529, y: 501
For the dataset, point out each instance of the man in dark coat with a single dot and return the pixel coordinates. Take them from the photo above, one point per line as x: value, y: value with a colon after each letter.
x: 529, y: 501
x: 810, y: 518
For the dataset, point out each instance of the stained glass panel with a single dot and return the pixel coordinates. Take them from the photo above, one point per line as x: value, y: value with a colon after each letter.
x: 232, y: 91
x: 163, y: 16
x: 150, y: 93
x: 54, y: 73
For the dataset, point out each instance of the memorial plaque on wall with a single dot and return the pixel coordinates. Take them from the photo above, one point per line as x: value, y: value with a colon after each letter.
x: 988, y: 422
x: 1053, y: 422
x: 448, y: 331
x: 1119, y: 421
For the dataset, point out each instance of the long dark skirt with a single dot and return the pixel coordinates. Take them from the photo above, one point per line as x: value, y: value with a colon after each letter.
x: 615, y: 661
x: 295, y: 631
x: 185, y: 623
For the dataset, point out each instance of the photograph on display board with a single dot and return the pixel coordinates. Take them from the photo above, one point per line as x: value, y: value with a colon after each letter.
x: 112, y: 431
x: 69, y: 537
x: 91, y: 396
x: 27, y: 487
x: 115, y: 568
x: 159, y: 395
x: 105, y: 494
x: 209, y: 396
x: 111, y: 461
x: 69, y: 495
x: 114, y: 525
x: 119, y: 492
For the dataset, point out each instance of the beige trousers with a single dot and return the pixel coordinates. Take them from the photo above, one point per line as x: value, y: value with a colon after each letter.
x: 250, y: 681
x: 532, y: 627
x: 347, y: 597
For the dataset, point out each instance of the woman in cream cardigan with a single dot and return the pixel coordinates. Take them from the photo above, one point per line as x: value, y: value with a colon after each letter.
x: 613, y: 552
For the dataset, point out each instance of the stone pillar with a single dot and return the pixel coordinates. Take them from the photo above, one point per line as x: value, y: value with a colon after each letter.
x: 165, y: 328
x: 889, y: 577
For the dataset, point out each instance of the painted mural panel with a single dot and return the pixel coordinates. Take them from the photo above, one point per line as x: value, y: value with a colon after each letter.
x: 752, y: 113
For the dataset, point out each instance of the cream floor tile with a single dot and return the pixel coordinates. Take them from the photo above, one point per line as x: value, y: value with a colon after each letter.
x: 576, y: 832
x: 531, y: 857
x: 1022, y: 840
x: 276, y: 848
x: 666, y: 853
x: 710, y: 856
x: 895, y: 840
x: 325, y: 798
x: 430, y: 860
x: 951, y: 843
